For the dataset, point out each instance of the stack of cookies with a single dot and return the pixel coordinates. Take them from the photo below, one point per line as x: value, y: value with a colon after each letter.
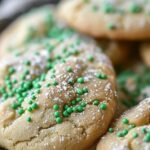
x: 76, y: 77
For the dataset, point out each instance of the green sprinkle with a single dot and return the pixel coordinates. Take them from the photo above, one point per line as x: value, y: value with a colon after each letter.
x: 14, y: 106
x: 79, y: 91
x: 110, y: 130
x: 34, y: 106
x: 101, y: 76
x: 96, y: 102
x: 30, y: 102
x: 29, y: 119
x: 120, y: 134
x: 49, y: 66
x: 90, y: 58
x: 57, y: 114
x: 65, y: 114
x: 20, y: 111
x: 26, y: 72
x: 103, y: 106
x: 29, y: 109
x: 69, y: 110
x: 125, y: 132
x: 73, y: 102
x: 85, y: 90
x: 111, y: 26
x: 131, y: 126
x: 144, y: 130
x: 27, y: 63
x: 83, y: 104
x: 33, y: 97
x: 69, y: 69
x: 59, y: 120
x: 125, y: 121
x: 108, y: 8
x: 54, y: 83
x: 147, y: 138
x: 74, y: 109
x: 48, y: 85
x: 56, y: 107
x: 135, y: 8
x: 80, y: 80
x: 78, y: 99
x: 11, y: 70
x: 135, y: 135
x: 37, y: 85
x: 80, y: 109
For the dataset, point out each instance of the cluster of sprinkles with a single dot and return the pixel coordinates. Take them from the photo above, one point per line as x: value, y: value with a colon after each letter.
x: 27, y: 88
x: 129, y: 127
x: 138, y: 82
x: 109, y: 7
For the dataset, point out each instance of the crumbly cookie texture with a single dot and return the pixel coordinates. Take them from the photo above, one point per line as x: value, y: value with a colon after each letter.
x: 131, y: 131
x: 117, y: 19
x: 145, y: 53
x: 58, y: 96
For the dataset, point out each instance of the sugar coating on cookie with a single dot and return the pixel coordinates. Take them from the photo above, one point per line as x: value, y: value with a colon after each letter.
x: 131, y: 131
x: 117, y: 19
x: 60, y: 94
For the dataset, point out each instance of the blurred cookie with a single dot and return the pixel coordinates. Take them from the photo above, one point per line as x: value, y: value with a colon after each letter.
x: 145, y: 53
x: 131, y: 131
x: 115, y: 19
x: 134, y: 85
x: 118, y: 51
x: 37, y: 23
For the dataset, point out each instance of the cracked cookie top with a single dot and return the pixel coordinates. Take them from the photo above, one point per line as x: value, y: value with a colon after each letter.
x: 117, y: 19
x: 55, y: 94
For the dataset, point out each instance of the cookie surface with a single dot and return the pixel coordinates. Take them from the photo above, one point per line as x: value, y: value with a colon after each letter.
x: 116, y: 19
x: 131, y: 131
x: 60, y: 96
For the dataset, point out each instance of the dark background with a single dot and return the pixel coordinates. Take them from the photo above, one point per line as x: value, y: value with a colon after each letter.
x: 10, y: 9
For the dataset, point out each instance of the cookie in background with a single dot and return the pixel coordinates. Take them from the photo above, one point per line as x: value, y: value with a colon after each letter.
x: 117, y: 19
x: 133, y: 84
x: 119, y: 52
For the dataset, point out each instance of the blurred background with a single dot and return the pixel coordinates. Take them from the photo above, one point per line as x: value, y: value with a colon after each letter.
x: 10, y: 9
